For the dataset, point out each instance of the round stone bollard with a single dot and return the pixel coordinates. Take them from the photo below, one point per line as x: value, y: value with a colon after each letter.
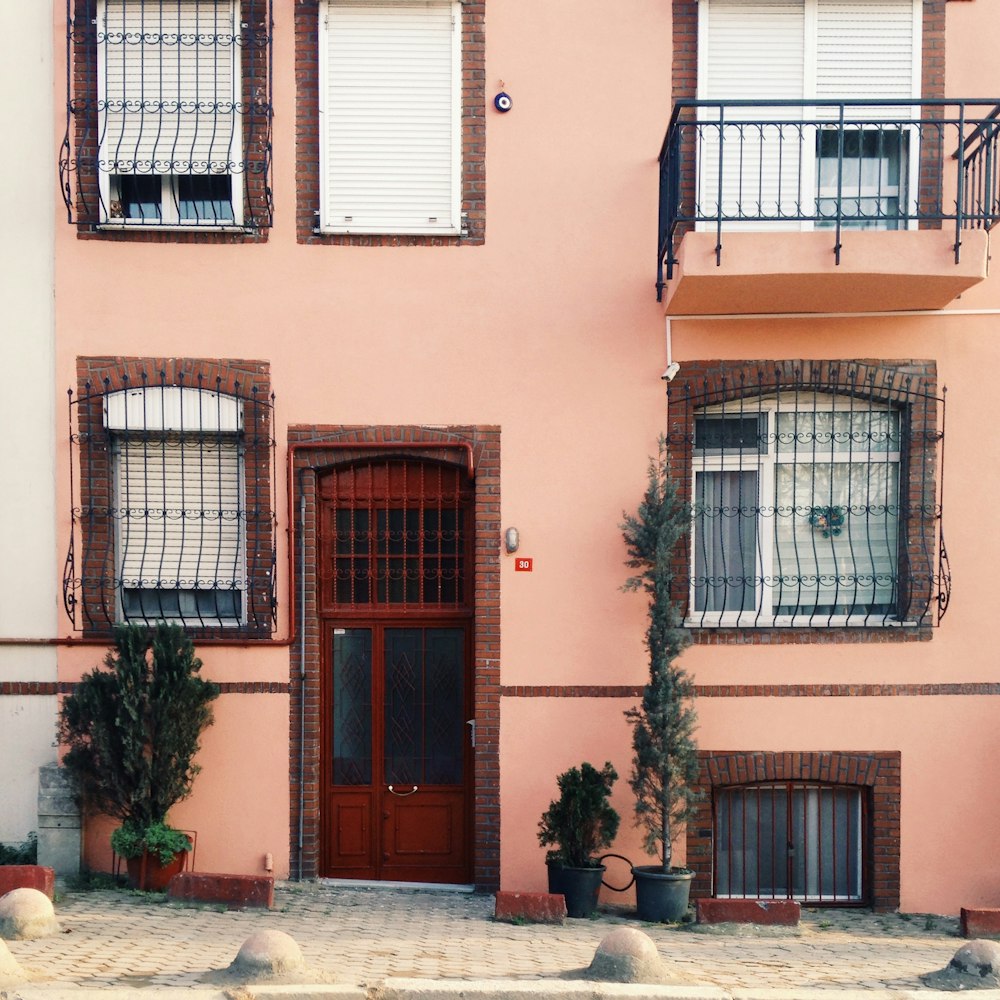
x: 269, y: 953
x: 628, y: 955
x: 976, y: 965
x: 26, y: 914
x: 11, y: 974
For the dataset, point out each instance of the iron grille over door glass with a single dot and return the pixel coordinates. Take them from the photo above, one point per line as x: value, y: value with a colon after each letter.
x: 815, y: 496
x: 175, y: 507
x: 169, y: 114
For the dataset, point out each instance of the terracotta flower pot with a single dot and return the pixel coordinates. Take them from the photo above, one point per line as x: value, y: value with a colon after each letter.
x: 148, y: 874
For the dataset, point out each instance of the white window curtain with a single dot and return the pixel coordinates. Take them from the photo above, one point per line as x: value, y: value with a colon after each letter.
x: 390, y: 114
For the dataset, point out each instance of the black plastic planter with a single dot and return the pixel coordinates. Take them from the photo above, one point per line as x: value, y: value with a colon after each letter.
x: 661, y: 896
x: 579, y: 886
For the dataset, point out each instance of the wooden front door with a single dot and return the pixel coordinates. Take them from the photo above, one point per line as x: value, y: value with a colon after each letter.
x: 397, y: 704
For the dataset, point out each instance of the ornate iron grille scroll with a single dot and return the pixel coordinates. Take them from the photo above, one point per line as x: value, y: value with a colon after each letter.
x: 168, y: 114
x: 172, y: 515
x: 815, y: 496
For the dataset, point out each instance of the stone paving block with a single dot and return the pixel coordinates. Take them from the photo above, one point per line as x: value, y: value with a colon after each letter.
x: 27, y: 877
x: 767, y: 912
x: 236, y: 891
x: 538, y: 907
x: 977, y: 923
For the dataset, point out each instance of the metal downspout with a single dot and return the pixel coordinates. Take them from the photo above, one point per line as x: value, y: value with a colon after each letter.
x: 302, y: 669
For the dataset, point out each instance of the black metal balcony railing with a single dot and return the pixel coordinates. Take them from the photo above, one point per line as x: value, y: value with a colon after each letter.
x: 890, y: 164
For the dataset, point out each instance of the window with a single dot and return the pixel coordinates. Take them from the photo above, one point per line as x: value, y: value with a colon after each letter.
x: 175, y: 516
x: 862, y: 176
x: 169, y: 114
x: 181, y: 523
x: 790, y: 841
x: 390, y: 116
x: 774, y: 161
x: 796, y: 510
x: 813, y: 501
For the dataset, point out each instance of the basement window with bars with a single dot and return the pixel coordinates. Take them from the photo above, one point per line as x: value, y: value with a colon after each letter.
x: 791, y: 841
x: 814, y: 504
x: 169, y: 114
x: 171, y: 530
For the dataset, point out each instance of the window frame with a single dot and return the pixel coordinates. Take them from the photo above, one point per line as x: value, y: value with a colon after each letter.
x: 764, y: 461
x: 806, y: 153
x: 454, y: 225
x: 110, y: 180
x: 226, y: 400
x: 180, y: 424
x: 923, y: 578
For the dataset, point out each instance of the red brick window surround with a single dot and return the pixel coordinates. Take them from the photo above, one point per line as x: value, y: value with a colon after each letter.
x: 815, y: 496
x: 876, y: 774
x: 473, y: 136
x: 177, y: 146
x: 321, y: 448
x: 173, y: 461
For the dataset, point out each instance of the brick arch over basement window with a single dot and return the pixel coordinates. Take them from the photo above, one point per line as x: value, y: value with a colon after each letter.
x: 878, y: 772
x: 485, y: 444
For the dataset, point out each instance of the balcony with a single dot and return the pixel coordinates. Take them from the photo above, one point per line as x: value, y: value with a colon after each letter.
x: 825, y: 206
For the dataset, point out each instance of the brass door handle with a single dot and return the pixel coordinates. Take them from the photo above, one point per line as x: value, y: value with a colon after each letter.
x: 402, y: 795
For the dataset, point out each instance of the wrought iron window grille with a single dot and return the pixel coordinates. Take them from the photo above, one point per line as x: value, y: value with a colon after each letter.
x: 168, y: 115
x: 173, y: 506
x: 756, y: 165
x: 815, y: 492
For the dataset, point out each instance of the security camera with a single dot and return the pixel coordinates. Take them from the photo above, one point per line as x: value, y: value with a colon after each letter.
x: 672, y: 369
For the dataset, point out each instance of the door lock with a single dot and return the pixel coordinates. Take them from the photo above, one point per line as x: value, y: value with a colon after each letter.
x: 471, y: 723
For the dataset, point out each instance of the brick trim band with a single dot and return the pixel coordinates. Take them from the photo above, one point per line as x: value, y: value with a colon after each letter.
x: 48, y: 688
x: 988, y: 688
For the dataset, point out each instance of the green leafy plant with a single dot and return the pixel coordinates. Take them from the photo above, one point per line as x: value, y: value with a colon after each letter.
x: 25, y: 853
x: 665, y: 755
x: 581, y: 821
x: 160, y: 840
x: 133, y: 729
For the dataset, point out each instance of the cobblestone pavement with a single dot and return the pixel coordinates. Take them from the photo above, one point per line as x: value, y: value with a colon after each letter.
x: 359, y: 936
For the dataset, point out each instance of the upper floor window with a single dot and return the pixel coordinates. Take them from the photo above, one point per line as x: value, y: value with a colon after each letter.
x: 175, y: 514
x: 390, y: 111
x: 814, y: 500
x: 169, y: 114
x: 782, y: 163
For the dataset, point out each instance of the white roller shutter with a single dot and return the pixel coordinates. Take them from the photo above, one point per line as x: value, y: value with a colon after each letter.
x: 866, y: 50
x: 390, y: 108
x: 167, y: 80
x: 181, y: 518
x: 751, y: 51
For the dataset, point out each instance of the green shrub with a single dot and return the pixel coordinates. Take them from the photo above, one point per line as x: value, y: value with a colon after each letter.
x: 20, y: 854
x: 581, y: 821
x: 129, y: 841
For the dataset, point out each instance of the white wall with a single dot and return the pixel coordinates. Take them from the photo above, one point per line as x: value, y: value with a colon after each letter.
x: 28, y: 581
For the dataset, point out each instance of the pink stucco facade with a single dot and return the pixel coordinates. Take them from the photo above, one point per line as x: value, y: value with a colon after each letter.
x: 550, y: 331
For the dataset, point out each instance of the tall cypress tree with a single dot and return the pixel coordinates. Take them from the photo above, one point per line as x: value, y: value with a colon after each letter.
x: 665, y: 755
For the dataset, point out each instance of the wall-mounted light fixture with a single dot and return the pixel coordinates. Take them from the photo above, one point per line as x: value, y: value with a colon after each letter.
x: 511, y: 539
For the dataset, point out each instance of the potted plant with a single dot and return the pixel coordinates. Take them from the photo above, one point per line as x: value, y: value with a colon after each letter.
x: 665, y: 755
x: 579, y: 823
x: 132, y: 731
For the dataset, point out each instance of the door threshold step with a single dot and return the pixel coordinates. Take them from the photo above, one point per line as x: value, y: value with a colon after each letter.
x: 361, y: 883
